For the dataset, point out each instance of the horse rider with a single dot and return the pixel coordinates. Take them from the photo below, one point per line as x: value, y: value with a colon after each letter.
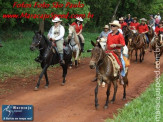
x: 128, y: 20
x: 157, y: 20
x: 134, y: 25
x: 79, y: 27
x: 105, y: 32
x: 157, y: 30
x: 143, y: 28
x: 115, y: 42
x: 56, y: 34
x: 121, y: 21
x: 152, y: 22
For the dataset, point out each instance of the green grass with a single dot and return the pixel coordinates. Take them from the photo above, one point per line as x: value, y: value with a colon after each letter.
x: 16, y: 59
x: 141, y: 109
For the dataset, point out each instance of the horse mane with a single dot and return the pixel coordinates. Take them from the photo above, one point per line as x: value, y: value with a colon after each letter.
x: 76, y: 39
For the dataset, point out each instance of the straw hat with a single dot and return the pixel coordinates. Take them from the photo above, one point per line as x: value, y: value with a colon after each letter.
x: 121, y: 19
x: 143, y: 19
x: 106, y: 26
x: 56, y: 19
x: 116, y: 23
x: 129, y: 15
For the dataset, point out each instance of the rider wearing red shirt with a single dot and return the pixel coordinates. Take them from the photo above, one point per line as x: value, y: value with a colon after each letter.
x: 134, y: 25
x: 79, y: 27
x: 115, y: 41
x: 143, y: 28
x: 121, y: 21
x: 159, y: 28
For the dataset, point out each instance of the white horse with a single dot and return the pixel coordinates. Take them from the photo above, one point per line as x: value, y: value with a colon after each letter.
x: 74, y: 44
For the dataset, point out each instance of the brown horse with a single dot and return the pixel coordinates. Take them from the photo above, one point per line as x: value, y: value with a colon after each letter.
x: 138, y: 43
x: 150, y: 35
x: 157, y: 46
x: 105, y: 70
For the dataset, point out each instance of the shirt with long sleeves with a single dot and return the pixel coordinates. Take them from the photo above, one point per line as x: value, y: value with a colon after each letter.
x: 158, y: 29
x: 56, y: 33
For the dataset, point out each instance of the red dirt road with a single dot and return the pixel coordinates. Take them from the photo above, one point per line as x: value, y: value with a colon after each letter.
x: 74, y: 102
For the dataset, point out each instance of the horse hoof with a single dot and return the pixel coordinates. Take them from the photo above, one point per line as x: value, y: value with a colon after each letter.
x: 105, y: 107
x: 46, y: 87
x: 124, y: 98
x: 97, y: 107
x: 62, y: 84
x: 112, y: 102
x: 36, y: 89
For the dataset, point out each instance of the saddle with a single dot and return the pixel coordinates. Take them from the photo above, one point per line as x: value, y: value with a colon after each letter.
x: 116, y: 66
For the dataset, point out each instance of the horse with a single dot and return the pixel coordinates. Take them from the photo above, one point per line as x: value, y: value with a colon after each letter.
x: 150, y: 35
x: 157, y: 46
x: 75, y: 45
x: 50, y: 57
x: 104, y: 67
x: 139, y: 44
x: 125, y: 30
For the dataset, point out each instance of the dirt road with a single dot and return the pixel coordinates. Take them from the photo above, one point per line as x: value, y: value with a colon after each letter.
x: 74, y: 102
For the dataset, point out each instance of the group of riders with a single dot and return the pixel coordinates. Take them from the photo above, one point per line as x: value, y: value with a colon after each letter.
x: 112, y: 35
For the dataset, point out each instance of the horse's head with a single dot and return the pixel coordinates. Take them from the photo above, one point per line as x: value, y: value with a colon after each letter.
x: 125, y: 29
x: 130, y: 38
x: 71, y: 30
x: 36, y: 41
x: 96, y: 54
x: 161, y: 37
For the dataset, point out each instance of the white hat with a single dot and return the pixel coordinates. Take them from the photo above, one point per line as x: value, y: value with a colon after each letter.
x: 121, y: 18
x: 78, y: 18
x: 115, y: 22
x: 106, y: 26
x: 143, y: 19
x: 56, y: 19
x: 81, y: 19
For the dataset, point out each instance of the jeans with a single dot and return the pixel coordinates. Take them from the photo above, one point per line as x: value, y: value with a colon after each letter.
x: 147, y: 38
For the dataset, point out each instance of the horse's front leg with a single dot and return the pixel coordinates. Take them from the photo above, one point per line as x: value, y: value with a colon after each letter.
x: 136, y: 54
x: 96, y: 99
x: 140, y: 55
x: 115, y: 91
x: 107, y: 93
x: 40, y: 77
x: 47, y: 81
x: 64, y: 68
x: 76, y: 57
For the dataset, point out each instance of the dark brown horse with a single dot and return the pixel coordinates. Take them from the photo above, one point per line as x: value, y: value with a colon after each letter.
x: 150, y: 35
x: 138, y: 43
x: 49, y: 57
x: 104, y: 68
x: 157, y: 46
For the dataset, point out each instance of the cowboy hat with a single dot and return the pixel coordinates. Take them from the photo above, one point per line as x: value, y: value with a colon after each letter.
x: 135, y: 18
x: 116, y: 23
x: 129, y: 15
x: 56, y: 19
x: 121, y: 18
x: 106, y: 26
x: 143, y: 19
x: 80, y: 19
